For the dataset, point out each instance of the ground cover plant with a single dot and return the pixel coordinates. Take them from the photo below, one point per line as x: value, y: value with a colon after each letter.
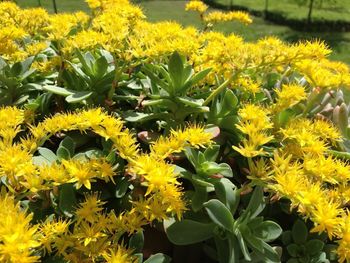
x: 124, y: 140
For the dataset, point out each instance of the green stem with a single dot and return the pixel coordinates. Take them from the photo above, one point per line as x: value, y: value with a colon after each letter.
x: 220, y: 88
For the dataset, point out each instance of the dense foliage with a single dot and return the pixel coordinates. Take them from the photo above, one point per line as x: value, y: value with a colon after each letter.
x: 115, y: 131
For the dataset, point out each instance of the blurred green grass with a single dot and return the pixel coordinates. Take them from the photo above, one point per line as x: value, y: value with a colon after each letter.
x: 158, y: 10
x: 290, y: 9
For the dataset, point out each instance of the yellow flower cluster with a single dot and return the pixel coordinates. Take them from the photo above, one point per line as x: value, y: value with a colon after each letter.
x: 217, y: 16
x: 288, y: 96
x: 161, y: 179
x: 197, y: 6
x: 194, y: 136
x: 302, y: 168
x: 255, y: 123
x: 18, y: 238
x: 16, y: 23
x: 95, y: 232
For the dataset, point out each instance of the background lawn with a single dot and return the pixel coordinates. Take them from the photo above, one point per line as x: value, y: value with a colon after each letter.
x: 158, y: 10
x: 340, y: 10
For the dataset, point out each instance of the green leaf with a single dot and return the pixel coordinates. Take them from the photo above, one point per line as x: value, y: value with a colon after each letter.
x: 287, y: 237
x: 210, y: 168
x: 122, y: 187
x: 255, y: 243
x: 39, y: 160
x: 199, y: 197
x: 234, y: 252
x: 67, y: 199
x: 293, y: 250
x: 211, y: 153
x: 136, y: 242
x: 69, y: 144
x: 100, y: 67
x: 176, y: 70
x: 16, y: 69
x: 188, y: 232
x: 227, y: 195
x: 219, y: 214
x: 314, y: 246
x: 194, y: 79
x: 58, y: 90
x: 190, y: 101
x: 199, y: 76
x: 242, y: 244
x: 49, y: 155
x: 225, y: 170
x: 299, y: 232
x: 193, y: 156
x: 331, y: 253
x: 270, y: 253
x: 63, y: 153
x: 78, y: 96
x: 229, y: 102
x: 223, y: 250
x: 158, y: 258
x: 268, y: 231
x: 86, y: 61
x: 132, y: 116
x: 166, y: 103
x: 257, y: 203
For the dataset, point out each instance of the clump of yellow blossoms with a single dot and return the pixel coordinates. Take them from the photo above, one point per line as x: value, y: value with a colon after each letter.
x: 301, y: 168
x: 18, y: 237
x: 217, y: 16
x: 197, y: 6
x: 92, y: 234
x: 255, y: 123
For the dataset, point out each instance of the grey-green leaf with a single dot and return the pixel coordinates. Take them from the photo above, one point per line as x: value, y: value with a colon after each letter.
x: 158, y: 258
x: 188, y: 232
x: 176, y: 69
x: 58, y: 90
x: 78, y: 96
x: 299, y: 232
x: 268, y: 231
x: 67, y: 199
x: 314, y: 246
x: 219, y: 214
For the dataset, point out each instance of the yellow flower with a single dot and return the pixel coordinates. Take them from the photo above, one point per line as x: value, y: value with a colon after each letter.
x: 248, y: 149
x: 119, y: 254
x: 18, y: 237
x: 51, y: 230
x: 254, y: 122
x: 343, y: 249
x: 89, y: 209
x: 327, y: 218
x: 288, y: 96
x: 217, y: 16
x: 80, y: 172
x: 156, y: 172
x: 197, y: 6
x: 35, y: 48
